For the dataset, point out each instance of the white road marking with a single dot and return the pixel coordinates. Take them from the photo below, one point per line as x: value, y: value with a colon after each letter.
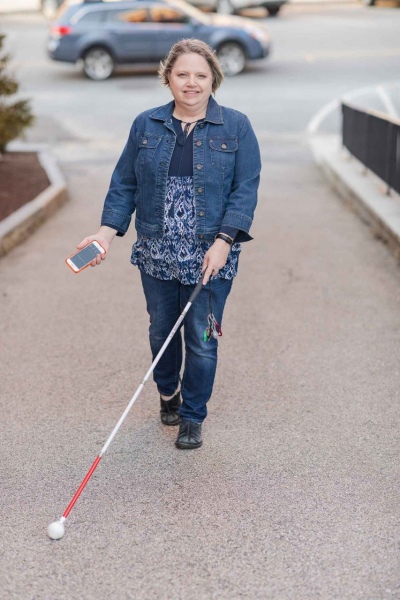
x: 387, y: 101
x: 315, y: 123
x: 321, y: 115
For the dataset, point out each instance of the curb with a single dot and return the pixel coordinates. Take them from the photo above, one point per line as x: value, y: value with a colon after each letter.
x: 363, y: 192
x: 23, y: 222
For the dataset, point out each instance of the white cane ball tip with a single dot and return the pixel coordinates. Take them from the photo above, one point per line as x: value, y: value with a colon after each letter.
x: 56, y: 530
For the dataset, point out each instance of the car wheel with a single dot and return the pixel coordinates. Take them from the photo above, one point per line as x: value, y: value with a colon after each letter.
x: 232, y: 58
x: 49, y: 8
x: 224, y: 7
x: 273, y: 10
x: 98, y: 64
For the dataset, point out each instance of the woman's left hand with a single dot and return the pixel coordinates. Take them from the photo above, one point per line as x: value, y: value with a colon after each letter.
x: 215, y: 259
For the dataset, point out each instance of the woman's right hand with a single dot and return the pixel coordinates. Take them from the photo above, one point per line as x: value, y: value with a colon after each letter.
x: 104, y: 238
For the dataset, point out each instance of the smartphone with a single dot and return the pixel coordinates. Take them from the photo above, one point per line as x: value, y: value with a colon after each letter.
x: 82, y: 259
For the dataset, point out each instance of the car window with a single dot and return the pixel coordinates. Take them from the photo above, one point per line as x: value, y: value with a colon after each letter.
x: 189, y: 10
x: 167, y: 14
x: 90, y: 16
x: 138, y: 15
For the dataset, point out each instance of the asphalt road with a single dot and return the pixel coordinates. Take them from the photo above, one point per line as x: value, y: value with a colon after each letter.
x: 319, y: 53
x: 294, y: 494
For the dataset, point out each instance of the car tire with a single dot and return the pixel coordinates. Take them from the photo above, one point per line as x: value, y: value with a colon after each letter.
x: 273, y: 10
x: 368, y: 2
x: 98, y: 64
x: 232, y: 58
x: 224, y: 7
x: 49, y: 8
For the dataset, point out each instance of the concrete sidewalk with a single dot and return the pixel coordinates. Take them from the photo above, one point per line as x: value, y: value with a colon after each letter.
x: 294, y: 494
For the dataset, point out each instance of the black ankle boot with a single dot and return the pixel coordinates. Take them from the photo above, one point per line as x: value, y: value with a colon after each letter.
x: 170, y: 410
x: 189, y: 435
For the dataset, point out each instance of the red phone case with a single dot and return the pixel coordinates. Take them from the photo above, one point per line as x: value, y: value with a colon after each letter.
x: 74, y: 253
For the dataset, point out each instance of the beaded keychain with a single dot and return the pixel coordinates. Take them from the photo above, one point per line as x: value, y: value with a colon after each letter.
x: 213, y: 329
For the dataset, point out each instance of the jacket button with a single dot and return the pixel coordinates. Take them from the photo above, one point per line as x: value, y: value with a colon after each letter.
x: 199, y: 167
x: 201, y: 236
x: 201, y: 125
x: 144, y: 141
x: 223, y: 146
x: 198, y: 143
x: 200, y: 190
x: 201, y: 213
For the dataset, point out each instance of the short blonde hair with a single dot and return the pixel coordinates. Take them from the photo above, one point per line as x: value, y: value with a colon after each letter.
x: 191, y: 46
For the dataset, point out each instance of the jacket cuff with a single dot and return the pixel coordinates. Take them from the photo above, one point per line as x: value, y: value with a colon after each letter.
x: 236, y: 220
x: 116, y: 220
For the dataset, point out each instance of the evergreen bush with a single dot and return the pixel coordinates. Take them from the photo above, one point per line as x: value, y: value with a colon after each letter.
x: 14, y: 117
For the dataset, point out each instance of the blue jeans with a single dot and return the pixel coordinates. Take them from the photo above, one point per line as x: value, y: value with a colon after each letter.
x: 165, y: 302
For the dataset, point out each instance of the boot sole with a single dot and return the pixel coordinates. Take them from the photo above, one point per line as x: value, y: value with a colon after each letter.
x: 183, y: 446
x: 174, y: 424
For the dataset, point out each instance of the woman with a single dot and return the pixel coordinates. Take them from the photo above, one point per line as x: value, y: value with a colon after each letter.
x: 191, y: 170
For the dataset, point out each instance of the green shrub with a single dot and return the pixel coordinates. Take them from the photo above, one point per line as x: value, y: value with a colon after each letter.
x: 14, y: 117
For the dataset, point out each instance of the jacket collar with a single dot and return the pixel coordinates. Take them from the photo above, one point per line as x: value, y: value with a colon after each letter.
x: 213, y: 114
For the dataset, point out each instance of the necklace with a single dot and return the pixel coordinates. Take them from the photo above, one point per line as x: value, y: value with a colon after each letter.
x: 183, y: 121
x: 182, y: 137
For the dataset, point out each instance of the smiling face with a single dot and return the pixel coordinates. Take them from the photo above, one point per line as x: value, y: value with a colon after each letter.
x: 190, y: 82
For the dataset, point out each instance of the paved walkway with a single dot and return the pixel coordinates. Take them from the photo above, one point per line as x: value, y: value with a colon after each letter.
x: 294, y: 494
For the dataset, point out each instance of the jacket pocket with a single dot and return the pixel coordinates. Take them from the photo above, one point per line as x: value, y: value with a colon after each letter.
x: 223, y: 152
x: 147, y: 146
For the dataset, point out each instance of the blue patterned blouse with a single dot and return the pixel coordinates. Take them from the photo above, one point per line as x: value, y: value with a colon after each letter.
x: 179, y: 254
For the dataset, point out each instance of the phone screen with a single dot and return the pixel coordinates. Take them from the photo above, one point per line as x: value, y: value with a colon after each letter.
x: 85, y: 256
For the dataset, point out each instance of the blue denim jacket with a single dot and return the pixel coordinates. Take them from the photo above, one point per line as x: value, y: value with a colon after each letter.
x: 226, y: 173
